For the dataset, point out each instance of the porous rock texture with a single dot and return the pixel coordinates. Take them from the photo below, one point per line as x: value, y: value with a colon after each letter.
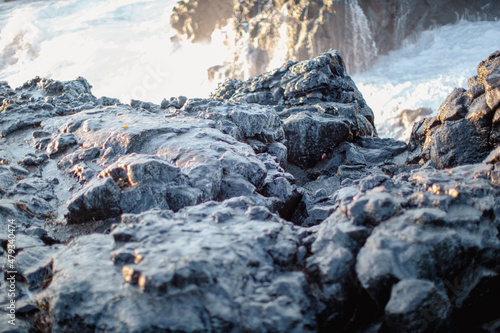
x: 319, y: 103
x: 197, y: 215
x: 466, y: 127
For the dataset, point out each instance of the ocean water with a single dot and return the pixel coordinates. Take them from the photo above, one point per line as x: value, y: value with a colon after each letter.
x: 425, y: 70
x: 124, y: 49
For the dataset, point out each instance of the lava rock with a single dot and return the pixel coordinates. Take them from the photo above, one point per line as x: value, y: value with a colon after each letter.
x: 177, y: 265
x: 465, y: 129
x: 61, y: 143
x: 7, y: 180
x: 166, y: 161
x: 455, y: 106
x: 375, y: 244
x: 417, y: 306
x: 98, y: 200
x: 319, y: 103
x: 372, y: 209
x: 489, y: 76
x: 368, y: 151
x: 457, y: 143
x: 175, y: 102
x: 60, y: 98
x: 35, y: 266
x: 310, y: 136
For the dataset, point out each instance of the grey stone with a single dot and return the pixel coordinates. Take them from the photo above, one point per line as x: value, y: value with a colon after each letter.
x: 372, y: 209
x: 369, y: 151
x: 198, y: 188
x: 98, y: 200
x: 310, y: 136
x: 454, y: 107
x: 107, y: 101
x: 320, y: 105
x: 34, y: 160
x: 239, y: 120
x: 35, y: 267
x: 176, y: 102
x: 61, y: 143
x: 481, y: 117
x: 417, y: 306
x: 489, y: 77
x: 495, y: 129
x: 58, y: 94
x: 457, y: 143
x: 466, y: 126
x: 6, y: 180
x: 178, y: 265
x: 330, y: 266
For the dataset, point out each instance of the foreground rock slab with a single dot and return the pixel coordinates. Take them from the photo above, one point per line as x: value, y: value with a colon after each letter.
x: 171, y: 270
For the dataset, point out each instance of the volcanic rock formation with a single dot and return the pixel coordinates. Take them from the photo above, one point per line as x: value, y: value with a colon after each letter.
x: 270, y: 207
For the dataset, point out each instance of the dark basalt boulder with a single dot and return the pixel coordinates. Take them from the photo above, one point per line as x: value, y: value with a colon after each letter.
x: 413, y: 303
x: 465, y: 128
x: 319, y: 103
x: 97, y: 201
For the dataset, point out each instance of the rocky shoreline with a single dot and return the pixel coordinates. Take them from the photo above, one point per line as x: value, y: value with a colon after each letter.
x: 270, y: 207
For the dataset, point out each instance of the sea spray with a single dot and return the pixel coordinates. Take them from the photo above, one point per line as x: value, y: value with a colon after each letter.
x: 359, y: 40
x: 115, y: 45
x: 425, y: 71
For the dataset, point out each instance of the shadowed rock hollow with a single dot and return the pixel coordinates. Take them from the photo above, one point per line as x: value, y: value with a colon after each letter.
x: 271, y: 207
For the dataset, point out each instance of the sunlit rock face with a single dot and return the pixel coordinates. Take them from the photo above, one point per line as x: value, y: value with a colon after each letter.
x: 270, y: 207
x: 197, y: 19
x: 262, y: 34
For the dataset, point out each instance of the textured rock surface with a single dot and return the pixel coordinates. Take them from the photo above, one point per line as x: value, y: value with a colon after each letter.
x: 465, y: 128
x: 192, y: 215
x: 411, y: 305
x: 198, y: 270
x: 133, y: 159
x: 319, y: 103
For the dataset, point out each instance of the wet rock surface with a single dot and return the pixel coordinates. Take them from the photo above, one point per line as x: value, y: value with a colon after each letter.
x: 219, y: 215
x: 465, y: 128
